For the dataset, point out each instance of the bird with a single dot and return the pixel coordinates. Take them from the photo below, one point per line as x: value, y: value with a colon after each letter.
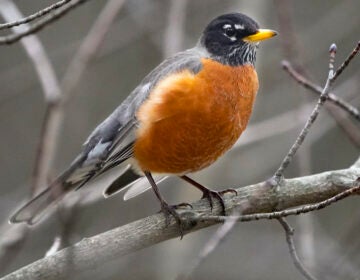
x: 180, y: 119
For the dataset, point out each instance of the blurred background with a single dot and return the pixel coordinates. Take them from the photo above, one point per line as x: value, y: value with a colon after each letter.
x: 143, y: 34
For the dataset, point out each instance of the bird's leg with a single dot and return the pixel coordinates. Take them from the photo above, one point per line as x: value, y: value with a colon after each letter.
x: 209, y: 194
x: 165, y: 207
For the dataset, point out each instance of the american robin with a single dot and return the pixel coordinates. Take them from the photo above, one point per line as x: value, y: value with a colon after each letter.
x: 182, y: 117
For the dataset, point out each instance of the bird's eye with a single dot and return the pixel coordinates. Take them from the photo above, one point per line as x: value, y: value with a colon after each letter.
x: 229, y: 31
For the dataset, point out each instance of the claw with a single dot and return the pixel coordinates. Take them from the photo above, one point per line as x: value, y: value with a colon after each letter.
x: 229, y: 191
x: 210, y: 195
x: 168, y: 211
x: 183, y: 205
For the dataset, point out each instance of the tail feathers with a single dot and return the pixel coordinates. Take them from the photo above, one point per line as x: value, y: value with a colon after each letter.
x: 32, y: 211
x: 142, y: 185
x: 122, y: 182
x: 73, y: 177
x: 132, y: 182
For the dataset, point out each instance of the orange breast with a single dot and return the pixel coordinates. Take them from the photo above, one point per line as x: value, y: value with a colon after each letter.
x: 190, y: 120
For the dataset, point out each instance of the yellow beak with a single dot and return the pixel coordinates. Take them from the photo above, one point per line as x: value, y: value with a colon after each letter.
x: 261, y: 34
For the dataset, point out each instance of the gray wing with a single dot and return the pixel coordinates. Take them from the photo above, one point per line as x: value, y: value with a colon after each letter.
x: 111, y: 142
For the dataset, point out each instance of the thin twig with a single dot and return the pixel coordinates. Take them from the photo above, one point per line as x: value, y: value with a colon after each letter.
x: 312, y: 118
x: 347, y: 61
x: 51, y: 89
x: 323, y: 97
x: 213, y: 242
x: 42, y: 23
x: 289, y: 232
x: 209, y: 247
x: 285, y: 213
x: 349, y: 128
x: 55, y: 112
x: 291, y: 48
x: 317, y: 89
x: 36, y: 53
x: 34, y: 16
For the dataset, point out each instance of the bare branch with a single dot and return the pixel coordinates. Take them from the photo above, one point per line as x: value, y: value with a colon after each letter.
x: 213, y: 243
x: 312, y: 118
x: 42, y: 23
x: 291, y: 212
x: 209, y: 247
x: 317, y: 89
x: 346, y: 62
x: 35, y: 51
x: 259, y: 198
x: 291, y: 48
x: 54, y: 114
x: 34, y: 16
x: 51, y: 89
x: 289, y: 232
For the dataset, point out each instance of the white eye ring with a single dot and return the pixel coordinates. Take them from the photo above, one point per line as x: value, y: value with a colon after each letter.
x: 230, y: 32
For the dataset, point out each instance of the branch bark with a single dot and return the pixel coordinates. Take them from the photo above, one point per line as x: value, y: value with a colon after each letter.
x: 259, y: 198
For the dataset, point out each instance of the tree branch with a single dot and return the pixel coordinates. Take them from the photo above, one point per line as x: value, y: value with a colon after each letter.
x: 34, y: 16
x: 289, y: 233
x: 258, y: 198
x: 318, y: 89
x: 42, y: 23
x: 312, y: 118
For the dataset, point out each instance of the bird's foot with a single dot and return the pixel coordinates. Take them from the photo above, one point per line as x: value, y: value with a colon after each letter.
x: 210, y: 195
x: 169, y: 211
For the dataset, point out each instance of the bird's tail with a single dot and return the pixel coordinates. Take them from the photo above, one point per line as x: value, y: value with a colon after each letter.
x: 74, y: 178
x: 132, y: 182
x: 66, y: 182
x: 30, y: 212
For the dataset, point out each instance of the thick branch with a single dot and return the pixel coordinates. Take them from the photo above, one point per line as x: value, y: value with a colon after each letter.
x: 259, y: 198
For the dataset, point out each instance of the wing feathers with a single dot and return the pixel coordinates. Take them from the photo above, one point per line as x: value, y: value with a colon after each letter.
x: 110, y: 143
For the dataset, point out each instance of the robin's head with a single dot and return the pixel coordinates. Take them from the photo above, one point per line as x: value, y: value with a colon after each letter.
x: 233, y: 38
